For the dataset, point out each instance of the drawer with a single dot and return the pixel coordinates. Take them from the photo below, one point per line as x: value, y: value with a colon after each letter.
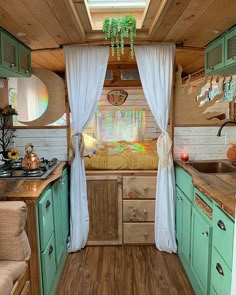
x: 48, y: 261
x: 139, y: 187
x: 220, y: 274
x: 45, y: 218
x: 223, y: 235
x: 184, y: 182
x: 138, y: 210
x: 138, y: 233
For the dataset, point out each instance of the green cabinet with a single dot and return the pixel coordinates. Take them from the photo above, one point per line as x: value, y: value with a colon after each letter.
x: 201, y: 250
x: 53, y: 229
x: 220, y: 55
x: 204, y: 234
x: 183, y: 222
x: 15, y: 57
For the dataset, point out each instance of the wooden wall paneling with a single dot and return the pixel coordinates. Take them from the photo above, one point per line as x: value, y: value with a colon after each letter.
x: 105, y: 210
x: 26, y: 20
x: 4, y: 94
x: 191, y: 60
x: 190, y: 14
x: 170, y: 15
x: 200, y: 34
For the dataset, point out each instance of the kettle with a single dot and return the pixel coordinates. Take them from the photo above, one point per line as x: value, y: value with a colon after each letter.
x: 31, y: 160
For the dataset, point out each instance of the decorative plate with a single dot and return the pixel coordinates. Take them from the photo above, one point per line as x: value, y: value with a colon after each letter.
x: 117, y: 97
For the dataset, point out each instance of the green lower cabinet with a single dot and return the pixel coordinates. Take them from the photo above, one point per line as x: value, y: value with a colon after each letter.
x: 213, y: 291
x: 65, y: 205
x: 183, y: 223
x: 220, y: 274
x: 201, y: 250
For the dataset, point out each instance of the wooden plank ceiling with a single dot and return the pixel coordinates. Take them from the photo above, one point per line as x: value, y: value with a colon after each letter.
x: 51, y: 23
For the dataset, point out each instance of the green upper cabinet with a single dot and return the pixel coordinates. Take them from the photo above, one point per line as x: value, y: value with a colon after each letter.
x: 230, y: 48
x: 201, y: 250
x: 220, y: 55
x: 15, y: 57
x: 24, y: 60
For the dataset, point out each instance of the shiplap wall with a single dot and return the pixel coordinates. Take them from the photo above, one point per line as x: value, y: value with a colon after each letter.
x: 202, y: 143
x: 48, y: 143
x: 135, y: 100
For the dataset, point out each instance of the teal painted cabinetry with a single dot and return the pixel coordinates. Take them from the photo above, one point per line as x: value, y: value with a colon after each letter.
x: 15, y: 57
x: 201, y: 250
x: 204, y: 236
x: 53, y: 229
x: 220, y: 55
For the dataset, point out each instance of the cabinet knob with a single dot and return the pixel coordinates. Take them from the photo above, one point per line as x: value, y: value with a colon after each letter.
x: 212, y: 68
x: 12, y: 66
x: 145, y: 212
x: 205, y: 234
x: 50, y: 250
x: 146, y: 234
x: 146, y: 189
x: 234, y: 57
x: 27, y: 71
x: 221, y: 225
x: 48, y: 203
x: 219, y: 269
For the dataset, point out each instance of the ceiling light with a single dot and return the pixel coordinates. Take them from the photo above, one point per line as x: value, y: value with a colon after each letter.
x: 20, y: 34
x: 216, y: 32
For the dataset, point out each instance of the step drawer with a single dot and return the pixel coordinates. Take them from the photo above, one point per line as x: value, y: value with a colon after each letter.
x: 138, y: 233
x: 45, y: 217
x: 138, y: 210
x: 139, y: 187
x: 48, y: 260
x: 220, y: 274
x: 223, y: 235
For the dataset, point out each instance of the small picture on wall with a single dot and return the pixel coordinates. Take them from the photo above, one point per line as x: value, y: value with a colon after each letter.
x: 117, y: 97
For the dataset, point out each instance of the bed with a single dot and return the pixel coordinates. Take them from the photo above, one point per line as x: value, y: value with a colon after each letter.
x: 121, y: 189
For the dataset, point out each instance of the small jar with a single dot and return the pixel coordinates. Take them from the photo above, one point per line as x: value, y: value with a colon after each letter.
x: 231, y: 153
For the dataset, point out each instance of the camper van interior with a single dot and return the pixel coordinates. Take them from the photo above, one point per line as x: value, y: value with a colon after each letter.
x: 117, y: 147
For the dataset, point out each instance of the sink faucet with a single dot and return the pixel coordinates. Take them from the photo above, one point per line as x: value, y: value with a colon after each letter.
x: 222, y: 126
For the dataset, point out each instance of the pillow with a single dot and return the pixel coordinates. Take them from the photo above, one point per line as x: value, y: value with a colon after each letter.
x: 90, y: 145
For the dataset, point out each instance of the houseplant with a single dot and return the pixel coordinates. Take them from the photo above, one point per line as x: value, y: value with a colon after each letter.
x: 117, y: 30
x: 6, y: 133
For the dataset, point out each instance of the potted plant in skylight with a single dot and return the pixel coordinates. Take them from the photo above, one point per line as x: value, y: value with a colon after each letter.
x: 117, y: 30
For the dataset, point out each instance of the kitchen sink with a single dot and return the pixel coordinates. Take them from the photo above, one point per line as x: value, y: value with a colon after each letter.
x: 212, y: 167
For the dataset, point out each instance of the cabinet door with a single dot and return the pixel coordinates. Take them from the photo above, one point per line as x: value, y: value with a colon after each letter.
x: 9, y: 52
x: 230, y: 48
x: 65, y: 206
x: 57, y: 212
x: 200, y: 249
x: 214, y: 57
x: 24, y: 60
x: 183, y: 223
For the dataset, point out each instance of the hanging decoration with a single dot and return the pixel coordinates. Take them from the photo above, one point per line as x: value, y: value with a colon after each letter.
x: 117, y: 97
x: 117, y: 30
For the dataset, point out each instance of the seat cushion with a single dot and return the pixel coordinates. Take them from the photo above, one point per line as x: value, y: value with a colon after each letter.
x: 6, y: 283
x: 14, y: 244
x: 14, y: 269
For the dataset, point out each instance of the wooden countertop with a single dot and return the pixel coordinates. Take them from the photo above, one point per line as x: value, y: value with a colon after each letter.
x: 15, y: 189
x: 219, y: 187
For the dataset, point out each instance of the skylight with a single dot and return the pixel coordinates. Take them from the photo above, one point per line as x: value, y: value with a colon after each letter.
x: 106, y: 4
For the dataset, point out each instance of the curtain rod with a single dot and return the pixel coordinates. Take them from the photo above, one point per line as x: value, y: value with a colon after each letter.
x: 178, y: 46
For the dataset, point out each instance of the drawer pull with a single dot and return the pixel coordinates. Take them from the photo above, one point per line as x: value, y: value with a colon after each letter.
x: 145, y: 234
x: 219, y: 269
x: 205, y: 234
x: 221, y: 225
x: 12, y: 66
x: 145, y: 212
x: 48, y: 203
x: 146, y: 189
x: 50, y: 250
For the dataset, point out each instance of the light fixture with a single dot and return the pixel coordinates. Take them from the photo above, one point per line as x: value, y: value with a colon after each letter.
x: 20, y: 34
x: 216, y: 32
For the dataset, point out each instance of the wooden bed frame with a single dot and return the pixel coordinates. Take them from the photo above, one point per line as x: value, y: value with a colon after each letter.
x: 121, y: 206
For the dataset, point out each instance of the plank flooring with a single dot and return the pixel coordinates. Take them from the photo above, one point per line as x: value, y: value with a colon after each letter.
x: 123, y: 270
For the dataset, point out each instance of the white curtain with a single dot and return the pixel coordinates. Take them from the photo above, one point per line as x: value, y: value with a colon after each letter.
x: 85, y: 74
x: 120, y: 125
x: 155, y: 64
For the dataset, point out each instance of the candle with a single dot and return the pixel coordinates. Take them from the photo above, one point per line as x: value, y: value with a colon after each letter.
x: 184, y: 157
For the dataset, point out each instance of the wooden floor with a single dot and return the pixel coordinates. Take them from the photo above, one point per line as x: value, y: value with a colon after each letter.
x: 124, y: 270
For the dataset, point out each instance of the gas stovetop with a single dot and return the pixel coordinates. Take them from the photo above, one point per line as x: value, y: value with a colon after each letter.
x: 15, y: 170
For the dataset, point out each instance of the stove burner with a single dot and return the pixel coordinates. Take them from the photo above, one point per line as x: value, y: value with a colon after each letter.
x: 35, y: 172
x: 5, y: 173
